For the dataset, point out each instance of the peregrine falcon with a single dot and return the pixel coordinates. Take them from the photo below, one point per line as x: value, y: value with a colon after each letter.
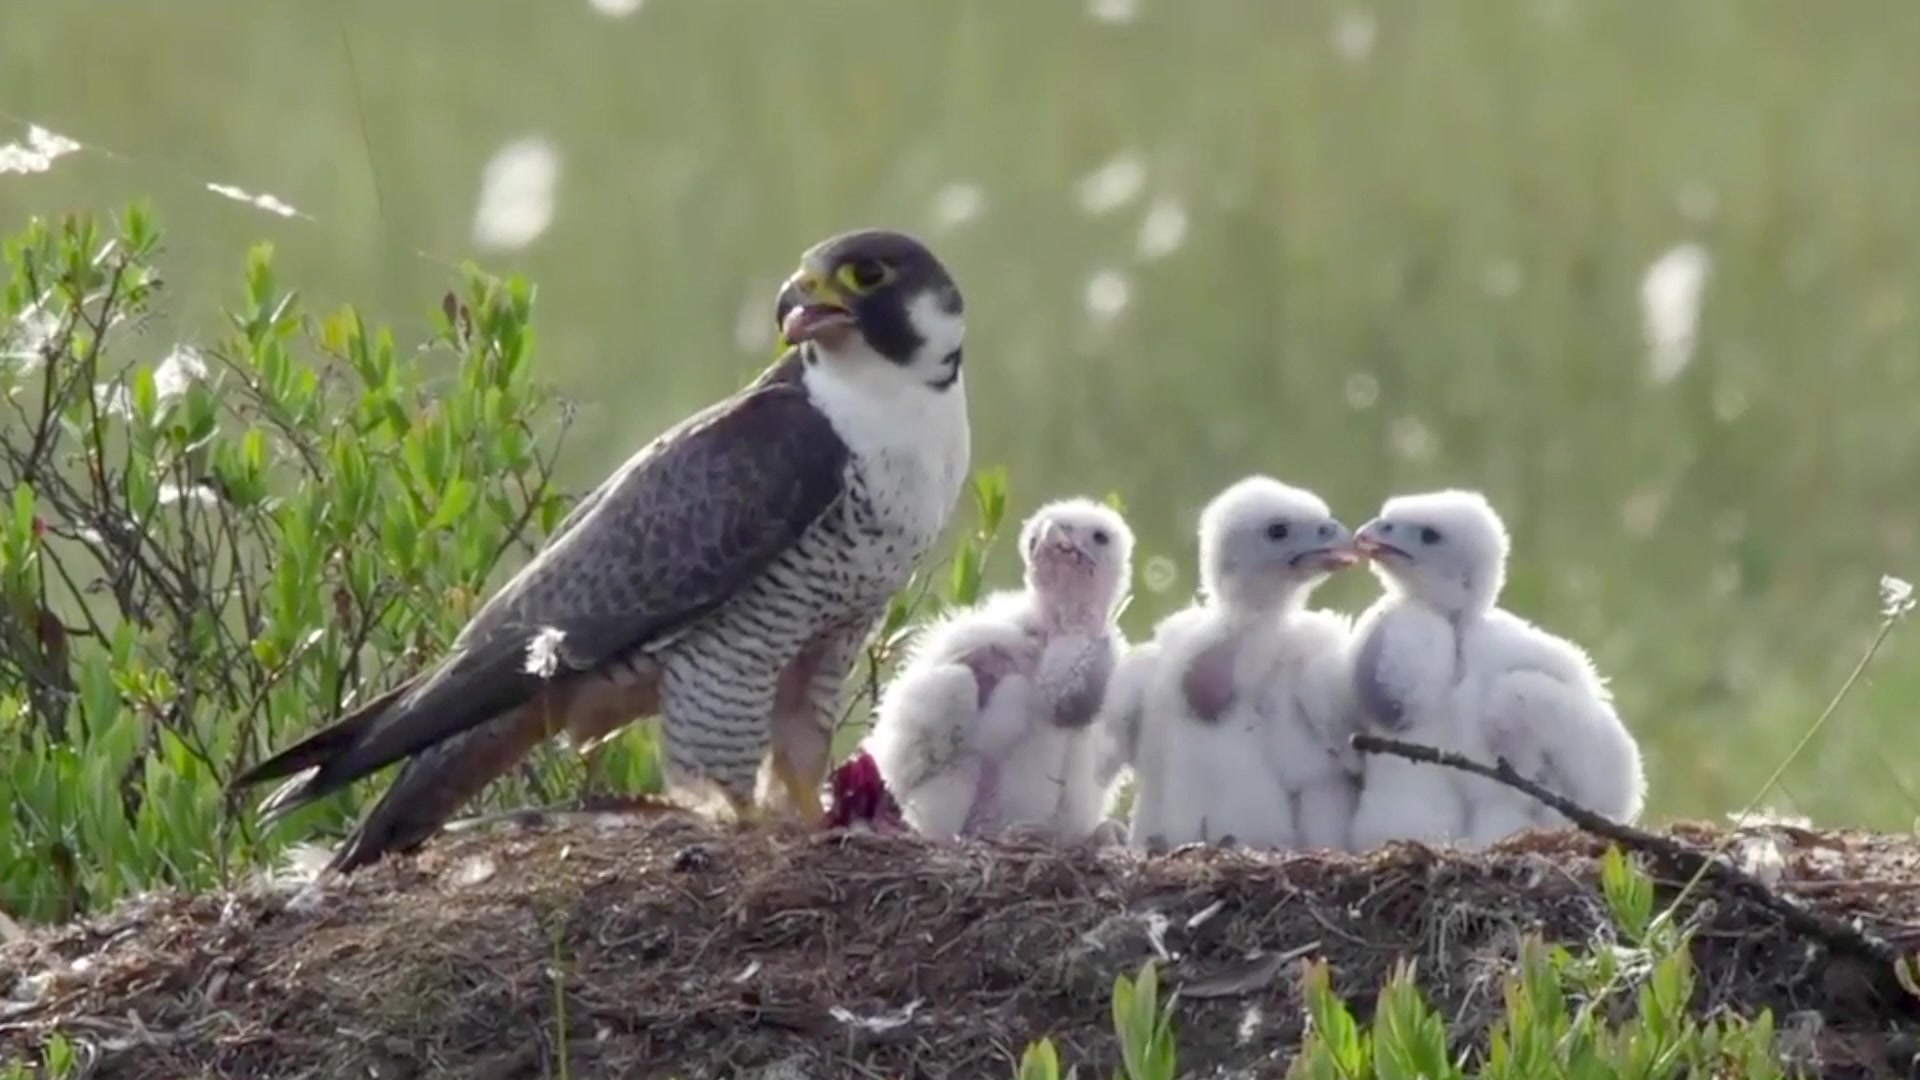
x: 724, y: 578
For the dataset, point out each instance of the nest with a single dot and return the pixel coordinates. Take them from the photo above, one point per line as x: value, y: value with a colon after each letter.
x: 655, y: 945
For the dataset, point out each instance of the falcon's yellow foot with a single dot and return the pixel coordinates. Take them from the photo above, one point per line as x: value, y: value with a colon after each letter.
x: 802, y: 792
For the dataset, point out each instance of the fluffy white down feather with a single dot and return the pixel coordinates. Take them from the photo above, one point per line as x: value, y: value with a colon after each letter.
x: 1274, y: 758
x: 1476, y: 679
x: 1311, y: 716
x: 963, y: 766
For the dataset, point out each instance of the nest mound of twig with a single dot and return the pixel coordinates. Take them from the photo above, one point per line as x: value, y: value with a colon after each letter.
x: 656, y: 946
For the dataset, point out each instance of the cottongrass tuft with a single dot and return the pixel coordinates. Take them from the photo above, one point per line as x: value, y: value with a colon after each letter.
x: 516, y: 194
x: 1670, y: 295
x: 37, y: 154
x: 1896, y: 597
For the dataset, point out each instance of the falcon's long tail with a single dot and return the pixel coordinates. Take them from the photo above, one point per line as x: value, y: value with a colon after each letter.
x: 498, y: 727
x: 434, y: 784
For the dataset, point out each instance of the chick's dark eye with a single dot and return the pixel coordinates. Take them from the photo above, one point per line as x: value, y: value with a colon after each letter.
x: 1100, y: 537
x: 1429, y: 535
x: 1277, y: 531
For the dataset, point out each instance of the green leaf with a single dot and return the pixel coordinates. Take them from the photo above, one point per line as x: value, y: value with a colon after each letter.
x: 23, y: 503
x: 453, y: 504
x: 1040, y: 1062
x: 1628, y: 892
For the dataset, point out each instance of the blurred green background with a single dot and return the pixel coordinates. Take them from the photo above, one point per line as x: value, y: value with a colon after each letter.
x: 1368, y: 249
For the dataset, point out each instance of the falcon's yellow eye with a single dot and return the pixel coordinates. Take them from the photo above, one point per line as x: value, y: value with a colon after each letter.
x: 864, y: 275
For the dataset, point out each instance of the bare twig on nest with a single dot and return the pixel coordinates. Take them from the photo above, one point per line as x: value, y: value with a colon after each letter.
x: 1834, y: 934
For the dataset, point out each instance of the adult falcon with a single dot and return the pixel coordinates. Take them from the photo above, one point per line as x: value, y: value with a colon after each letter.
x: 724, y: 578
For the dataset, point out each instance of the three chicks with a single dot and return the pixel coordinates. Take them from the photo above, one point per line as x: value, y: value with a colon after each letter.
x: 1018, y: 716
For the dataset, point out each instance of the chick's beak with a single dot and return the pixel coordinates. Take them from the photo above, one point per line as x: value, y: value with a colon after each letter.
x: 1336, y: 553
x: 1368, y: 545
x: 811, y: 309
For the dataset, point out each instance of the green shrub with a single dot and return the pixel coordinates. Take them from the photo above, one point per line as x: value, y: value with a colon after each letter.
x: 205, y: 556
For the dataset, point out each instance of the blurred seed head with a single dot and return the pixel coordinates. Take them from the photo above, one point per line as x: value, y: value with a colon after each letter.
x: 616, y: 9
x: 1114, y: 184
x: 516, y: 194
x: 1896, y: 597
x: 1354, y: 32
x: 1670, y: 295
x: 958, y: 203
x: 1164, y: 228
x: 1115, y: 12
x: 1410, y: 438
x: 1108, y: 294
x: 1362, y: 391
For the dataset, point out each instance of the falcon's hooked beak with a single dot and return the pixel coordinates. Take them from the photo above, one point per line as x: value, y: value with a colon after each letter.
x: 811, y: 309
x: 1368, y: 543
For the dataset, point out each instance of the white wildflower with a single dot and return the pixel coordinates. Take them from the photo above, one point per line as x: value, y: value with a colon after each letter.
x: 1670, y: 294
x: 1164, y: 228
x: 516, y: 194
x: 616, y: 9
x: 1354, y: 32
x: 958, y: 203
x: 543, y: 652
x: 1113, y: 11
x: 37, y: 153
x: 272, y: 204
x: 1896, y: 596
x: 1114, y: 184
x: 182, y: 368
x: 1108, y: 294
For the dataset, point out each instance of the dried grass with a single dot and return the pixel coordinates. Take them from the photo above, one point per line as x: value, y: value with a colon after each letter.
x: 691, y: 950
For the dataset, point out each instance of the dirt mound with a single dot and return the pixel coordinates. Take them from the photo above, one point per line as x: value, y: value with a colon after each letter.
x: 657, y: 946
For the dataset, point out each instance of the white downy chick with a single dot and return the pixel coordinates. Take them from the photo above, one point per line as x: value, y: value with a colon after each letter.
x: 1436, y: 661
x: 1223, y: 682
x: 988, y: 727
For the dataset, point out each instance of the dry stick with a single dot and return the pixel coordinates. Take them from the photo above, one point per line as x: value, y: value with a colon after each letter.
x: 1833, y: 933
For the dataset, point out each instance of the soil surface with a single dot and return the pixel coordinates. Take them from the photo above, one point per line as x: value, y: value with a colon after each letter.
x: 651, y: 945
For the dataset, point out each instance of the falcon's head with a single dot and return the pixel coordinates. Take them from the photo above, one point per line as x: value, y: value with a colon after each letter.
x: 876, y: 296
x: 1447, y: 549
x: 1079, y: 557
x: 1264, y: 544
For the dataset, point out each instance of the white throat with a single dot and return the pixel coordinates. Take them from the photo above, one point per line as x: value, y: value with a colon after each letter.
x: 912, y: 441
